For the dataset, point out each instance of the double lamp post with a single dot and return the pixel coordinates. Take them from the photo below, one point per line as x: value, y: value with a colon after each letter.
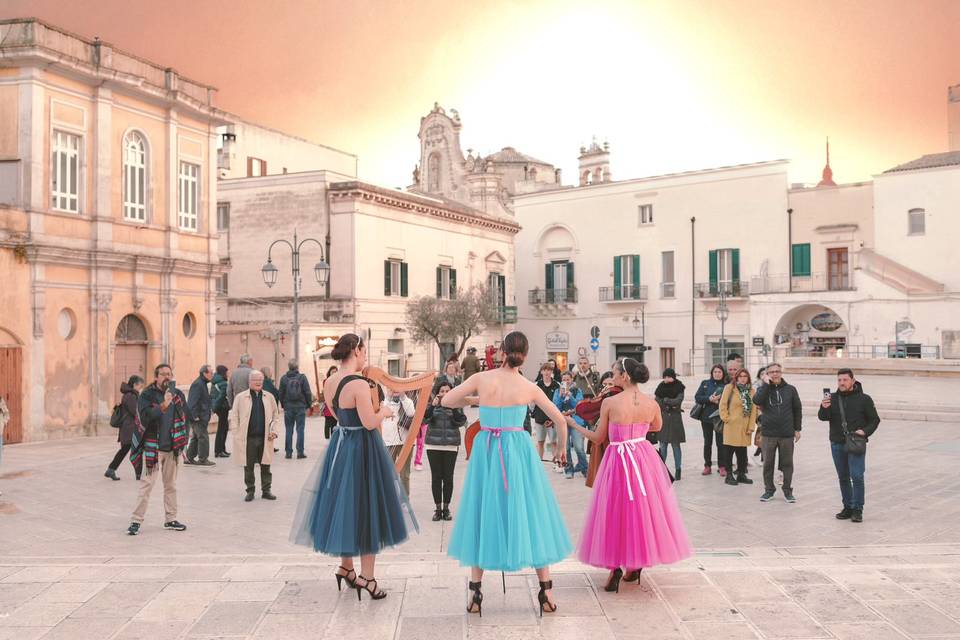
x: 321, y: 272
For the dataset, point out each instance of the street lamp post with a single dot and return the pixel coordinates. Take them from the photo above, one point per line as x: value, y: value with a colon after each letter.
x: 321, y: 272
x: 723, y: 312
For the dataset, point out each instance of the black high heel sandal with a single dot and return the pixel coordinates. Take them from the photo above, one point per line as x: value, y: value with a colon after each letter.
x: 613, y: 584
x: 351, y: 582
x: 375, y: 593
x: 545, y: 604
x: 477, y: 599
x: 633, y: 576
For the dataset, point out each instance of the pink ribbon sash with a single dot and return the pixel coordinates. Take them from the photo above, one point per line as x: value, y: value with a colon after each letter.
x: 495, y: 432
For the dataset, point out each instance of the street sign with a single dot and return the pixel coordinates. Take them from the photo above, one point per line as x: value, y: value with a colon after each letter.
x: 758, y: 341
x: 594, y: 332
x: 594, y: 344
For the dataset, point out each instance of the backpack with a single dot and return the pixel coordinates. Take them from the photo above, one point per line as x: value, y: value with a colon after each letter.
x: 116, y: 418
x: 294, y: 389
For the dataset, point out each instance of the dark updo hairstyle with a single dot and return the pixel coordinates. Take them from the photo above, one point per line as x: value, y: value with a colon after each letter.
x: 345, y: 346
x: 515, y: 347
x: 636, y: 371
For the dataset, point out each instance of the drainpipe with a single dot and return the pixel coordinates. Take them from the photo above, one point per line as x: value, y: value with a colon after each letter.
x: 790, y: 250
x: 693, y: 293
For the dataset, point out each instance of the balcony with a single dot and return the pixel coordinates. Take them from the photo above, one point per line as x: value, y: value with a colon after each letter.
x: 734, y: 289
x: 624, y: 293
x: 506, y: 315
x: 553, y: 296
x: 801, y: 284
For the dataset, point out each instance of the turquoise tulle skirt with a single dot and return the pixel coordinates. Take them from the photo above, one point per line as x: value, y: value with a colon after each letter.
x: 508, y: 517
x: 353, y: 503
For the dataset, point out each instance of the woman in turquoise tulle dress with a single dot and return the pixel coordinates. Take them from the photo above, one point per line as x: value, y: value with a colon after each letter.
x: 509, y: 518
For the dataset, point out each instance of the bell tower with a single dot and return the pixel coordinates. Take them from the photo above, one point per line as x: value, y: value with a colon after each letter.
x: 594, y: 163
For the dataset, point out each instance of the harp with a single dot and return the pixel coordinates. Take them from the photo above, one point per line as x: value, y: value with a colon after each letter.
x: 418, y: 389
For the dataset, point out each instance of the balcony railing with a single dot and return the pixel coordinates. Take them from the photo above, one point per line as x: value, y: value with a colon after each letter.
x: 801, y: 284
x: 623, y: 293
x: 734, y: 289
x: 506, y: 315
x: 553, y: 296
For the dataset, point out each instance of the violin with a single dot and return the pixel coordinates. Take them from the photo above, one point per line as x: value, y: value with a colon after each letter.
x: 589, y: 409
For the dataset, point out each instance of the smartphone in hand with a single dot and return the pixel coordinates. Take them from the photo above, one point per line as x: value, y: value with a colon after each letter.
x: 826, y: 392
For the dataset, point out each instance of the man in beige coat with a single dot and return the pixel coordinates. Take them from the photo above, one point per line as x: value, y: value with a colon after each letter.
x: 255, y: 422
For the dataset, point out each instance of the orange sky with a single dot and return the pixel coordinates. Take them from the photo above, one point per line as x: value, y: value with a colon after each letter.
x: 672, y: 85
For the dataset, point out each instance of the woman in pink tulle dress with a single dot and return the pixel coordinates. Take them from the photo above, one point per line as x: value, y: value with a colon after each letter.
x: 633, y: 520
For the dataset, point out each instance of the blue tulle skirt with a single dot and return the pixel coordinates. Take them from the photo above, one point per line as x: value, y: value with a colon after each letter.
x: 353, y: 503
x: 513, y: 527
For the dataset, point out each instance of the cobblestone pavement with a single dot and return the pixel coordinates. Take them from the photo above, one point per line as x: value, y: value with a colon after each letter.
x: 772, y: 570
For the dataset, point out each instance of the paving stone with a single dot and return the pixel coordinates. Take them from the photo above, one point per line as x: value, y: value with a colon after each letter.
x: 198, y: 573
x: 38, y: 614
x: 747, y: 586
x: 367, y: 618
x: 74, y: 628
x: 144, y: 573
x: 93, y: 573
x: 720, y: 630
x: 439, y: 627
x: 119, y: 598
x: 503, y: 633
x: 6, y: 570
x: 571, y: 602
x: 298, y: 596
x: 15, y: 594
x: 677, y: 578
x: 828, y: 603
x: 799, y: 577
x: 516, y: 608
x: 71, y: 592
x: 864, y: 631
x: 290, y: 626
x: 435, y: 596
x: 657, y: 622
x: 22, y: 633
x: 37, y: 574
x: 229, y: 618
x: 250, y: 591
x: 152, y: 630
x: 252, y: 572
x: 917, y: 618
x: 872, y: 585
x: 782, y: 620
x: 700, y: 604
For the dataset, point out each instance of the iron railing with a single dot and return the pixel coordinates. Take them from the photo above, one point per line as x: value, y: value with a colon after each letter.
x: 733, y: 289
x: 552, y: 296
x: 626, y: 292
x: 801, y: 284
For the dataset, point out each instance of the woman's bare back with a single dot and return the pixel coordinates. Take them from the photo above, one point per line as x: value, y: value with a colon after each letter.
x: 504, y: 388
x: 632, y: 407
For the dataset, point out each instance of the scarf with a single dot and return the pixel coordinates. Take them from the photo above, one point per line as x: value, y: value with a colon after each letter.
x: 669, y: 390
x: 144, y: 450
x: 745, y: 397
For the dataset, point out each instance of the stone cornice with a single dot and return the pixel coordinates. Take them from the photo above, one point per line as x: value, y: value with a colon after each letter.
x: 423, y: 205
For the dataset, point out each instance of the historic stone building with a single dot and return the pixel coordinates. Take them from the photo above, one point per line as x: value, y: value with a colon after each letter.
x: 107, y: 241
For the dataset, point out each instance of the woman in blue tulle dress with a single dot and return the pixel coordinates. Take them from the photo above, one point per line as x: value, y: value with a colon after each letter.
x: 509, y: 518
x: 353, y: 503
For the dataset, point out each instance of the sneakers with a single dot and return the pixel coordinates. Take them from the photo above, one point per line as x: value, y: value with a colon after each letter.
x: 288, y: 456
x: 767, y: 496
x: 205, y: 463
x: 857, y: 515
x: 706, y: 471
x: 189, y: 461
x: 743, y: 479
x: 301, y: 456
x: 789, y: 497
x: 133, y: 529
x: 266, y: 495
x: 731, y: 480
x: 173, y: 525
x: 111, y: 473
x: 417, y: 467
x: 248, y: 497
x: 722, y: 471
x: 845, y: 514
x: 568, y: 476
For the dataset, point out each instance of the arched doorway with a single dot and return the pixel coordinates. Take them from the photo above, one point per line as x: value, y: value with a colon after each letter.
x: 810, y: 330
x: 130, y: 353
x: 11, y: 385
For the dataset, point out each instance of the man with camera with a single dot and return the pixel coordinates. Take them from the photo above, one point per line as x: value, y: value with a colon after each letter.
x: 853, y: 419
x: 157, y: 443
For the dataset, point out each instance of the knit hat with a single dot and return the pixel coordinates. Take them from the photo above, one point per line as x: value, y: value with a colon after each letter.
x: 669, y: 373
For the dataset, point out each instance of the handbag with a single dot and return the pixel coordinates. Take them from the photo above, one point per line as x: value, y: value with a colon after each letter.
x: 697, y: 411
x: 855, y: 444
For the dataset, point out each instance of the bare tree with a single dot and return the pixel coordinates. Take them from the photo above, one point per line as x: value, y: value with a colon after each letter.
x: 431, y: 319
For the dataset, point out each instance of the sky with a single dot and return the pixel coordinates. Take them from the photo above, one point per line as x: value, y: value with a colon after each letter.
x: 672, y: 86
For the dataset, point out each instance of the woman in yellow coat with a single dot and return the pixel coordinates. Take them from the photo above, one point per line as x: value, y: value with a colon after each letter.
x: 739, y: 416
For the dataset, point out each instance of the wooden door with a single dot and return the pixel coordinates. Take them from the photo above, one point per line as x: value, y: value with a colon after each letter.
x: 11, y: 376
x: 838, y: 269
x: 129, y: 359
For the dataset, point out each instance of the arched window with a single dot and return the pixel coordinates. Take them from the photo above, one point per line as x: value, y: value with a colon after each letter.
x: 131, y: 329
x: 917, y: 224
x: 433, y: 173
x: 134, y: 177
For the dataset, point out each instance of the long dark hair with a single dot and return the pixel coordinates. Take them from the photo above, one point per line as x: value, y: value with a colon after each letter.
x: 723, y: 377
x: 333, y: 369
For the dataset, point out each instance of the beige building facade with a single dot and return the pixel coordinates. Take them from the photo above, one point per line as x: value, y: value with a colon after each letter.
x: 107, y: 193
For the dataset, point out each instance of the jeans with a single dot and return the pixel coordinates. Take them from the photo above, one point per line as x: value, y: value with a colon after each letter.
x: 294, y: 418
x: 575, y: 443
x: 677, y: 454
x: 199, y: 441
x: 442, y: 465
x: 850, y: 470
x: 770, y: 446
x: 708, y: 435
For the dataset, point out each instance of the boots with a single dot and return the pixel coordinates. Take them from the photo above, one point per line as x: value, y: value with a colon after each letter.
x: 730, y: 478
x: 111, y: 473
x: 437, y: 514
x: 743, y: 479
x: 676, y: 476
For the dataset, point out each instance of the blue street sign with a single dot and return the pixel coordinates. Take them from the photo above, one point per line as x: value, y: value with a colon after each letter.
x: 594, y: 344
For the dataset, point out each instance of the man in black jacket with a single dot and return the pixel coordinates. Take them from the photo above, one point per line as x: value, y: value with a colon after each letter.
x: 779, y: 403
x: 200, y: 407
x: 543, y: 429
x: 851, y: 405
x: 295, y: 398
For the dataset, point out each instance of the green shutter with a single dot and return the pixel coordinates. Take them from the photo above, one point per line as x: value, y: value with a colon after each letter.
x: 636, y: 277
x: 439, y: 282
x: 571, y: 281
x: 453, y: 284
x: 403, y: 279
x: 548, y: 276
x: 736, y: 264
x: 713, y: 271
x: 502, y: 281
x: 617, y: 277
x: 386, y: 277
x: 801, y: 260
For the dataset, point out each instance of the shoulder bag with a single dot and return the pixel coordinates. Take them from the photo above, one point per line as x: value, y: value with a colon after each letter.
x: 856, y: 444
